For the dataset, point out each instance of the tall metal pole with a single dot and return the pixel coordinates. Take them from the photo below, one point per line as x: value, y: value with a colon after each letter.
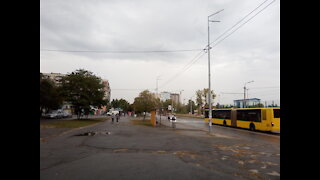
x: 247, y: 94
x: 209, y: 72
x: 210, y: 112
x: 157, y: 85
x: 244, y: 95
x: 172, y: 105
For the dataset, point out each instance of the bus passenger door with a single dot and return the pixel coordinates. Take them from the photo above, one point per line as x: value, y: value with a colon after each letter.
x: 234, y: 118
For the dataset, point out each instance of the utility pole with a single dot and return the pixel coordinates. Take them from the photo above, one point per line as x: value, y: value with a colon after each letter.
x: 244, y: 93
x: 209, y: 73
x: 171, y: 104
x: 191, y: 103
x: 244, y: 96
x: 247, y: 93
x: 180, y: 95
x: 157, y: 85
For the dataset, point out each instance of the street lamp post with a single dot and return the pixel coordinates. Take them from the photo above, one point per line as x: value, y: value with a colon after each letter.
x: 209, y: 74
x: 172, y: 105
x: 190, y: 106
x: 244, y: 93
x: 180, y: 95
x: 157, y: 84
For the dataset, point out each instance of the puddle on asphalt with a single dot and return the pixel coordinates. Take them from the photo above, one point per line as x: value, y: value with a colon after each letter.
x: 193, y: 133
x: 200, y: 133
x: 86, y: 134
x: 93, y: 133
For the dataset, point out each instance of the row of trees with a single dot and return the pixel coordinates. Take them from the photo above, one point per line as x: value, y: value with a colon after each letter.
x: 50, y: 95
x: 121, y: 103
x: 146, y: 102
x: 81, y: 88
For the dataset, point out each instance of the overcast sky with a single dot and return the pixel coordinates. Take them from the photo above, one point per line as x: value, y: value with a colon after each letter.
x: 250, y: 53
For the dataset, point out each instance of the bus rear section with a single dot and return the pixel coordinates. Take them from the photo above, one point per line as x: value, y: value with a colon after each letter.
x: 249, y: 118
x: 275, y: 120
x: 262, y: 119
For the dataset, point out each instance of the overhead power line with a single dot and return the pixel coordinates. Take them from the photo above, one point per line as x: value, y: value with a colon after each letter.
x: 145, y: 51
x: 129, y: 89
x: 241, y: 25
x: 273, y: 87
x: 239, y: 21
x: 185, y: 68
x: 192, y: 62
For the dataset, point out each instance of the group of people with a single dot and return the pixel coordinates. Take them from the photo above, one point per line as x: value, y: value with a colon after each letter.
x: 115, y: 116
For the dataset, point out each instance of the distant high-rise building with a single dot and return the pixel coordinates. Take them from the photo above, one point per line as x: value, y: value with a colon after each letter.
x: 107, y: 89
x: 164, y: 96
x: 167, y: 95
x: 55, y: 77
x: 175, y: 98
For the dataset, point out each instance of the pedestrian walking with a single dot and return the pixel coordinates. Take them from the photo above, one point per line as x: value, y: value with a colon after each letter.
x: 112, y: 117
x: 118, y: 117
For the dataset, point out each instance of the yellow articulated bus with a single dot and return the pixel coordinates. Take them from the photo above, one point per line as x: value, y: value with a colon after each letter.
x: 262, y: 119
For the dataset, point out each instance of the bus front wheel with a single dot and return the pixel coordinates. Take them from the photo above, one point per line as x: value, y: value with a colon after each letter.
x: 252, y: 127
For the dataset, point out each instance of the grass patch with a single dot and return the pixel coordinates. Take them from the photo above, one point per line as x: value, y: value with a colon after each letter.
x: 146, y: 122
x: 72, y: 123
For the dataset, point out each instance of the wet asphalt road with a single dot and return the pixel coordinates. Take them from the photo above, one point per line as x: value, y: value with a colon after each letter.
x: 200, y: 124
x: 142, y: 152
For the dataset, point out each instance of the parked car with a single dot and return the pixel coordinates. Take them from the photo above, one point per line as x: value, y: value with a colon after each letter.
x: 67, y: 114
x: 172, y: 118
x: 54, y: 114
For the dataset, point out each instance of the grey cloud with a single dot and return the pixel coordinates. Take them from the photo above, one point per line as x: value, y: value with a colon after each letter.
x: 164, y: 25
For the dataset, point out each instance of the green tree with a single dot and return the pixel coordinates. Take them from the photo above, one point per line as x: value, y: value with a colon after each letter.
x: 50, y: 95
x: 166, y: 103
x: 83, y: 89
x: 218, y: 106
x: 191, y: 104
x: 130, y: 108
x: 145, y: 102
x: 182, y: 108
x: 121, y: 103
x: 201, y: 97
x: 124, y: 105
x: 115, y: 103
x: 260, y: 105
